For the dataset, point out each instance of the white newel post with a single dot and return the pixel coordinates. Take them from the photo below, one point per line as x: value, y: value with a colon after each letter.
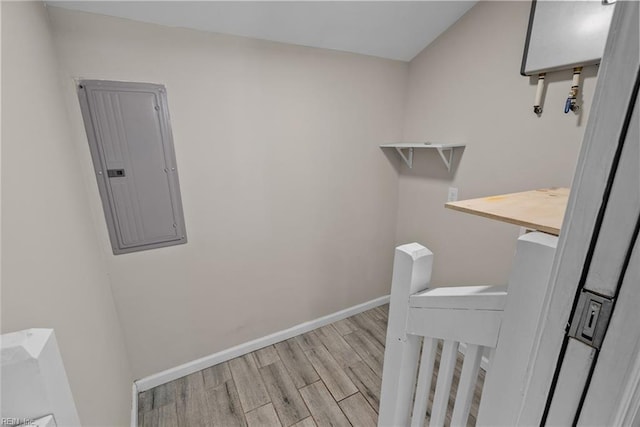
x: 411, y: 274
x: 34, y: 381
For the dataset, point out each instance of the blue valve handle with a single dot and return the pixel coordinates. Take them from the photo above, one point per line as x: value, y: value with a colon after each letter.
x: 567, y: 105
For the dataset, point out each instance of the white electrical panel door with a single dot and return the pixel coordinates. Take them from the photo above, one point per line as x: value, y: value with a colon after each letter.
x: 132, y: 148
x: 565, y: 34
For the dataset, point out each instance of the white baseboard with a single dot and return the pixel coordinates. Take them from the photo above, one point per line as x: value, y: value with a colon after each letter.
x: 171, y: 374
x: 134, y: 405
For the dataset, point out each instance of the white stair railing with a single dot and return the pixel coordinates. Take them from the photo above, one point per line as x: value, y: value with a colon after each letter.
x: 471, y: 315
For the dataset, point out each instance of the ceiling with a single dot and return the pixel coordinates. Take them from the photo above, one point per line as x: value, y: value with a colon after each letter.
x: 388, y: 29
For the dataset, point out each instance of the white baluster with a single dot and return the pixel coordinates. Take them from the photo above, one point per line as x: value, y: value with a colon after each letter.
x: 467, y: 385
x: 424, y: 382
x: 443, y: 386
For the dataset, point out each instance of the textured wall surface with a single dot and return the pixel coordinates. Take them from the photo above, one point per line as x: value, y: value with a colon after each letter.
x: 466, y: 87
x: 290, y: 205
x: 53, y: 270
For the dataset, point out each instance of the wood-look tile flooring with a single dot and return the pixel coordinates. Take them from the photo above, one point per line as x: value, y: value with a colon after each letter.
x: 330, y: 376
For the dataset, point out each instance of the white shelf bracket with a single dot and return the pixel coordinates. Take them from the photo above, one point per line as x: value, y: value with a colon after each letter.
x: 405, y: 151
x: 447, y: 161
x: 407, y: 159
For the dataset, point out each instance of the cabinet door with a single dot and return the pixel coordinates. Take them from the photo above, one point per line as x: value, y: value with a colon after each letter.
x: 131, y: 144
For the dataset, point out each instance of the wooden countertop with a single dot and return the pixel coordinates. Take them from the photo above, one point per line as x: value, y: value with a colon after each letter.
x: 541, y: 210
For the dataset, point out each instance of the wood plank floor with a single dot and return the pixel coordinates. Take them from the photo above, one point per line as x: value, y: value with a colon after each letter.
x: 327, y: 377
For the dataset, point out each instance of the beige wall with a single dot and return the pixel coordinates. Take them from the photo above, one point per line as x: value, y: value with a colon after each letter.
x: 290, y: 205
x: 53, y: 271
x: 466, y: 88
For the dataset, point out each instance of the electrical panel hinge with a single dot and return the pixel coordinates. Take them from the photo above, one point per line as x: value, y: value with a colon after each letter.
x: 591, y: 318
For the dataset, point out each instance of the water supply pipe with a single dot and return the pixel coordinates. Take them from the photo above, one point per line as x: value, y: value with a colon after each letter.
x: 537, y: 107
x: 570, y: 104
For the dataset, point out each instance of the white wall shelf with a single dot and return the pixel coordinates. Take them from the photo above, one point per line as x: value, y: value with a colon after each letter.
x: 445, y: 151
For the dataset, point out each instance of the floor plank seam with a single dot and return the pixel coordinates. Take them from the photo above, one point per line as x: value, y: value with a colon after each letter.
x: 330, y: 375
